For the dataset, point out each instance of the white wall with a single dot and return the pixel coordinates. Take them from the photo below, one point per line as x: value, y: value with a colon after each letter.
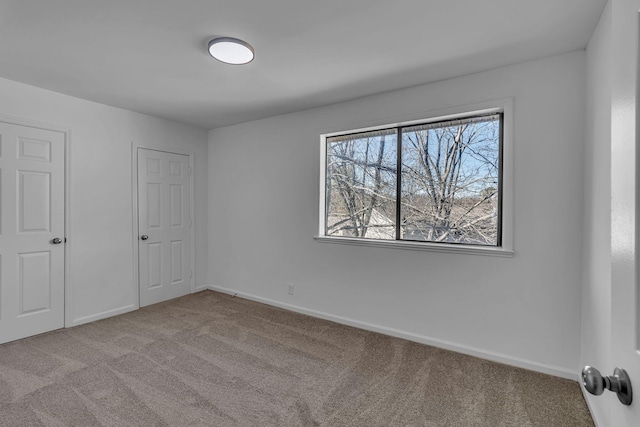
x: 100, y: 244
x: 596, y: 293
x: 525, y: 310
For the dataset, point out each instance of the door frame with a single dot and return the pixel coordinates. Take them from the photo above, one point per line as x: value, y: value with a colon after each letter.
x: 66, y: 132
x: 134, y: 199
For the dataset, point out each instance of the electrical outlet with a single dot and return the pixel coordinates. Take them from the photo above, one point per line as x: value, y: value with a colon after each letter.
x: 291, y: 286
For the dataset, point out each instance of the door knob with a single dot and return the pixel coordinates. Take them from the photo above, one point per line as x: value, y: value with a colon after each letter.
x: 619, y: 383
x: 144, y: 237
x: 56, y: 241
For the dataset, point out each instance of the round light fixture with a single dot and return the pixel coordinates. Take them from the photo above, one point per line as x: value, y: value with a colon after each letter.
x: 231, y: 51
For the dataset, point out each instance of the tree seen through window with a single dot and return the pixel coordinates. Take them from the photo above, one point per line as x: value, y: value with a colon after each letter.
x: 448, y: 190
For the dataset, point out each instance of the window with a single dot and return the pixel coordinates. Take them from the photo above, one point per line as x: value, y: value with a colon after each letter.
x: 435, y: 182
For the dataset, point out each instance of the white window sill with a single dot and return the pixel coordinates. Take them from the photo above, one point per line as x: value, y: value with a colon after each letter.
x: 419, y: 246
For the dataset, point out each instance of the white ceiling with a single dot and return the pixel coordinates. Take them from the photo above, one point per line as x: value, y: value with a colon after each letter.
x: 150, y: 55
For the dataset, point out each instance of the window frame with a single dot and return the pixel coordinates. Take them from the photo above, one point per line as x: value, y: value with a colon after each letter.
x: 506, y: 247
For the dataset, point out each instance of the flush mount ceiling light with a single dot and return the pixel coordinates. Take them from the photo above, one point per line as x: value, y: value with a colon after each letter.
x: 231, y: 51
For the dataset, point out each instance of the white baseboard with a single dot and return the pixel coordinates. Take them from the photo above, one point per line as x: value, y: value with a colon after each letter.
x: 435, y: 342
x: 103, y: 315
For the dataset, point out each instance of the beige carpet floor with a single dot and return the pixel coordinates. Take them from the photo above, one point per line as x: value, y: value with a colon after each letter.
x: 209, y: 359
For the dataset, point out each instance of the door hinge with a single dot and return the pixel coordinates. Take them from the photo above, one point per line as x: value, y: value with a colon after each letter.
x: 190, y: 223
x: 189, y: 170
x: 190, y: 274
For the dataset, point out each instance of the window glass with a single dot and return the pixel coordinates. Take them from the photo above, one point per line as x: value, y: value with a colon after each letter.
x: 450, y: 182
x: 447, y: 190
x: 361, y: 185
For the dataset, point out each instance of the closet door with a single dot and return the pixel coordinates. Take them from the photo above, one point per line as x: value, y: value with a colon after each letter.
x: 32, y: 235
x: 164, y: 223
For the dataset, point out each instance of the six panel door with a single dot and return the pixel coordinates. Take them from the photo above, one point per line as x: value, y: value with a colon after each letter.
x: 164, y: 224
x: 31, y: 231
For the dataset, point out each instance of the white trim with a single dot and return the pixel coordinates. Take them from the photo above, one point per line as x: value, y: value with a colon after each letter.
x: 587, y: 397
x: 435, y: 342
x: 135, y: 233
x: 66, y: 131
x: 418, y: 246
x: 504, y: 105
x: 103, y: 315
x: 134, y: 194
x: 68, y: 243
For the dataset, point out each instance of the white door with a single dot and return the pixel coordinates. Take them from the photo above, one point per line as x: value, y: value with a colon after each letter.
x: 164, y: 224
x: 31, y: 231
x: 625, y: 214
